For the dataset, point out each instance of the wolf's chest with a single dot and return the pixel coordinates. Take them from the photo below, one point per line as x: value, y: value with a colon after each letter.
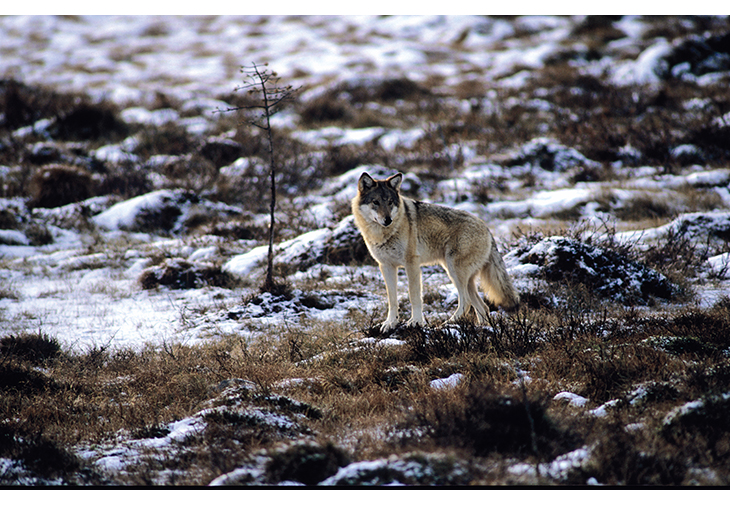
x: 392, y: 250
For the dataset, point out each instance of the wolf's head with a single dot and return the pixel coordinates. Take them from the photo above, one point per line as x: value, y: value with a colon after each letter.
x: 379, y: 199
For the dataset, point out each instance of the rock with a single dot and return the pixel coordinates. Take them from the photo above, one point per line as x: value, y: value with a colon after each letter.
x: 221, y: 151
x: 177, y: 273
x: 707, y: 418
x: 549, y: 155
x: 698, y: 55
x: 605, y: 273
x: 163, y: 211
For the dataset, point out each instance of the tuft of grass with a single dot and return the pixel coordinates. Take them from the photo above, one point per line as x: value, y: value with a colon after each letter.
x: 43, y: 458
x: 57, y: 185
x: 619, y: 459
x: 482, y: 420
x: 307, y: 463
x: 177, y: 273
x: 35, y: 348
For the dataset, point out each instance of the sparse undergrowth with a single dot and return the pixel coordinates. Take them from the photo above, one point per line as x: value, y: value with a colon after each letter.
x: 350, y: 403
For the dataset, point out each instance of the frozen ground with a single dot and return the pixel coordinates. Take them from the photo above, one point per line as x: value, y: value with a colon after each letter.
x: 84, y: 300
x: 83, y: 287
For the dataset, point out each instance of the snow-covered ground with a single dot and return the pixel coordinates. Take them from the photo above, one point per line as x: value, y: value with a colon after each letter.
x: 91, y: 298
x: 128, y: 58
x: 83, y: 287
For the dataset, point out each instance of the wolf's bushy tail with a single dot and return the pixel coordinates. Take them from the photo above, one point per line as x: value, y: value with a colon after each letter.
x: 496, y: 282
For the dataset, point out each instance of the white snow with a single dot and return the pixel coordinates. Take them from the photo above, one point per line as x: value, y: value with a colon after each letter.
x: 13, y: 237
x: 143, y: 116
x: 128, y: 58
x: 572, y: 399
x: 334, y: 136
x: 543, y: 203
x: 690, y: 407
x: 557, y: 469
x: 602, y: 411
x: 449, y: 382
x: 400, y: 138
x: 115, y: 154
x: 122, y: 215
x: 643, y: 70
x: 243, y: 264
x: 720, y: 265
x: 87, y: 296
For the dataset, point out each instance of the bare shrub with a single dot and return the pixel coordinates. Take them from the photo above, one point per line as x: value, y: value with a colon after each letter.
x: 36, y: 348
x: 325, y: 110
x: 57, y: 185
x: 677, y: 256
x: 169, y: 138
x: 43, y: 457
x: 90, y: 122
x: 618, y: 459
x: 306, y: 463
x: 124, y: 181
x: 24, y: 104
x: 221, y: 151
x: 340, y: 159
x: 484, y: 420
x: 387, y: 90
x: 19, y: 379
x: 177, y: 273
x: 192, y: 172
x: 504, y: 336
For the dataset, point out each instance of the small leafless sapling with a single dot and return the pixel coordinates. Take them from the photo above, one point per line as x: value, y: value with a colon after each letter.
x: 263, y: 85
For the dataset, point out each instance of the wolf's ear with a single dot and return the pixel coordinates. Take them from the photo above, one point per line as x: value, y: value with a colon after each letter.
x: 366, y: 183
x: 395, y: 180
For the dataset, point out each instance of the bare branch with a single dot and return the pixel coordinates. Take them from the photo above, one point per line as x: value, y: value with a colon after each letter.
x: 264, y: 83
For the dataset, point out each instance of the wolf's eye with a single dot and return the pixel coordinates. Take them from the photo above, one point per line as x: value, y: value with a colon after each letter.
x: 376, y: 203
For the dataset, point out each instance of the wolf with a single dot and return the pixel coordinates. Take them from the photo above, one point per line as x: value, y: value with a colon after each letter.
x: 399, y: 231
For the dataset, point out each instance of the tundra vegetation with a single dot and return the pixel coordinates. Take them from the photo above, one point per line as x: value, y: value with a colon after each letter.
x: 609, y: 202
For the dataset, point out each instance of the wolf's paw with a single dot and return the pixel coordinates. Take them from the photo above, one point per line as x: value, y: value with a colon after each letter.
x: 416, y: 322
x: 386, y: 326
x: 456, y: 321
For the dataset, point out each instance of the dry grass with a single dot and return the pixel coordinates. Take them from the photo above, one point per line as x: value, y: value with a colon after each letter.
x: 367, y: 401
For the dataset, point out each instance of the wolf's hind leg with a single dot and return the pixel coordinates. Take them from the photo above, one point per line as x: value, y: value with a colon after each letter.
x: 479, y: 306
x: 461, y: 288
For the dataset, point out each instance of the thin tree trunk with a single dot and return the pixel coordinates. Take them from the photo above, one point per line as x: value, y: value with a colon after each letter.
x: 270, y: 267
x: 269, y: 283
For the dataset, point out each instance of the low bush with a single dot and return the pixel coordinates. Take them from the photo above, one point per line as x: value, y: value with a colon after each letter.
x: 482, y: 420
x: 57, y: 185
x: 35, y: 348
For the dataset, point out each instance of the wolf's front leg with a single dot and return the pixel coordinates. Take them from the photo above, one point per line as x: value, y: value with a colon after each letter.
x: 390, y: 275
x: 413, y: 271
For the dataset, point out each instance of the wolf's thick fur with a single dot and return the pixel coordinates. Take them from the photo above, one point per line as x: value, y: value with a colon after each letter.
x: 403, y: 232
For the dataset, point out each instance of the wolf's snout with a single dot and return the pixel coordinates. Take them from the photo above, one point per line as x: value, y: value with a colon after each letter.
x: 387, y: 220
